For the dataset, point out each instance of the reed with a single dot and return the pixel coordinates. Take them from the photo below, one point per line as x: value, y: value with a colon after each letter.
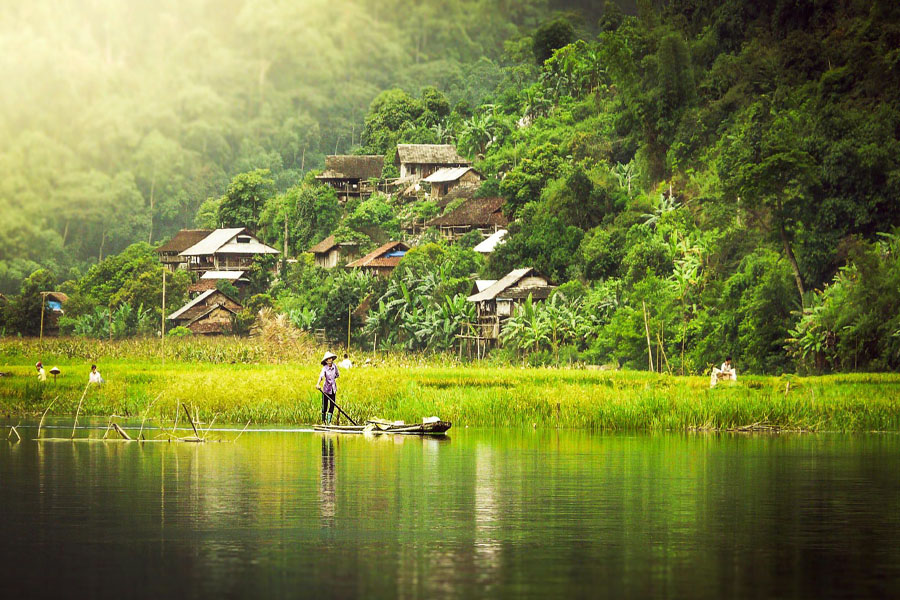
x: 411, y: 387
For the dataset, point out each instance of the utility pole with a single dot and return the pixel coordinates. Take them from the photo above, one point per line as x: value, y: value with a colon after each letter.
x: 349, y: 306
x: 43, y: 306
x: 163, y: 326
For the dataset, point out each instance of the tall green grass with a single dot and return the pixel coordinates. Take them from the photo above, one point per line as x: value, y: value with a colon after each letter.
x: 278, y: 387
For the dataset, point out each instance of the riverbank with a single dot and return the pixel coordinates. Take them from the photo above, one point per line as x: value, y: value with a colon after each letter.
x: 409, y: 388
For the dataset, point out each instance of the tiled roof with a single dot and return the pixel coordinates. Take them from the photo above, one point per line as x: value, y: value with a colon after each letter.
x: 506, y: 288
x: 376, y: 258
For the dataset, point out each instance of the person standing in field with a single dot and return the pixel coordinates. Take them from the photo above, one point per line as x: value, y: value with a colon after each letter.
x: 328, y: 375
x: 42, y: 376
x: 346, y: 364
x: 95, y: 376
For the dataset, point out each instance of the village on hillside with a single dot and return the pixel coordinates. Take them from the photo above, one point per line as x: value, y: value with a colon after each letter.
x: 433, y: 172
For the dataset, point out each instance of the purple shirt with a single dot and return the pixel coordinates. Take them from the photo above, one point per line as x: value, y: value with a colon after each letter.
x: 329, y: 373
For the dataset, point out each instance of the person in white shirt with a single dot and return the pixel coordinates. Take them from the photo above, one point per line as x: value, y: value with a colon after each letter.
x: 42, y: 376
x: 346, y: 364
x: 95, y: 376
x: 726, y: 372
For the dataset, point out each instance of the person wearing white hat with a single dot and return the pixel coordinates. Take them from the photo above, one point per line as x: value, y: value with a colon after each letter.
x: 329, y: 375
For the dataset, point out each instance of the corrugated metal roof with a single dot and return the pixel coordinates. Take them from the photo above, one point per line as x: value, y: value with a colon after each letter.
x: 508, y: 280
x: 491, y: 242
x: 233, y: 275
x: 211, y: 243
x: 447, y: 174
x: 223, y: 241
x: 483, y: 284
x: 195, y: 302
x: 253, y: 247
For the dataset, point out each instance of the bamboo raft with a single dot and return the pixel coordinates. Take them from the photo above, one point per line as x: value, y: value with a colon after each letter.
x: 379, y: 426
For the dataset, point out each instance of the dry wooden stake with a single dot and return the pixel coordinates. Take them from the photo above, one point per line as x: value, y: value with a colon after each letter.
x: 79, y: 409
x: 44, y: 415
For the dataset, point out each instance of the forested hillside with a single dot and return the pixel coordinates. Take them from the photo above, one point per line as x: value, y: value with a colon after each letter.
x: 118, y: 119
x: 701, y: 178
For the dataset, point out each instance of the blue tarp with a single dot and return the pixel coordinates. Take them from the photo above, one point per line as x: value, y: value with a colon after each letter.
x: 54, y: 305
x: 395, y: 253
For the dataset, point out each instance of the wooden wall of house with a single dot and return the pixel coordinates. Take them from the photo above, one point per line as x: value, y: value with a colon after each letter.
x: 532, y: 282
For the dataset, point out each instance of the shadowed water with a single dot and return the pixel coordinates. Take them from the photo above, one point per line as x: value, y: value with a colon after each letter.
x: 480, y: 514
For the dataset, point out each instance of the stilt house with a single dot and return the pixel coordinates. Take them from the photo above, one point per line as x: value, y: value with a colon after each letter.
x: 497, y: 302
x: 482, y: 214
x: 225, y: 250
x: 170, y: 252
x: 418, y: 161
x: 445, y: 179
x: 351, y: 175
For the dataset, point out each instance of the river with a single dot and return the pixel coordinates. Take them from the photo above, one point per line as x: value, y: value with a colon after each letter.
x: 479, y: 514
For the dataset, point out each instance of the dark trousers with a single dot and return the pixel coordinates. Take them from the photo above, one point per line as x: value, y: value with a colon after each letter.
x: 328, y: 401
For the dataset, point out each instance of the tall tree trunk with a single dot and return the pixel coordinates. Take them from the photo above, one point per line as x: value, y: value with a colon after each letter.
x: 102, y: 243
x: 793, y: 260
x: 65, y: 234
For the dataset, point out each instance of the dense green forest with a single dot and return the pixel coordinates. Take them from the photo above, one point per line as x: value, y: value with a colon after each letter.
x: 718, y: 177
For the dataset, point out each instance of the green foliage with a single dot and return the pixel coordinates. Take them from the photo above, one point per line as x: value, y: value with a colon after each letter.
x: 541, y: 239
x: 22, y: 314
x: 374, y: 218
x: 226, y: 287
x: 551, y: 36
x: 243, y: 202
x: 180, y: 332
x: 854, y: 323
x: 311, y: 212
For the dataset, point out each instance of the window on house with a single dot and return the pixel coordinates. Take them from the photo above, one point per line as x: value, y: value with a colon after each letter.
x: 243, y: 239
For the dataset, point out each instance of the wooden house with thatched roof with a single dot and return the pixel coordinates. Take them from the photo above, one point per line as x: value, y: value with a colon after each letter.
x: 351, y: 175
x: 497, y: 302
x: 210, y: 313
x: 170, y: 252
x: 445, y: 179
x: 482, y: 214
x: 329, y: 253
x: 382, y: 260
x: 418, y: 161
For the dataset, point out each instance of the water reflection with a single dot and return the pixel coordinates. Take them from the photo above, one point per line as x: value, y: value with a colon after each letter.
x: 501, y: 514
x: 327, y: 481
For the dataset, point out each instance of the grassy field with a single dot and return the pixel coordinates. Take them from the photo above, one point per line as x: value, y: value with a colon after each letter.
x: 239, y: 380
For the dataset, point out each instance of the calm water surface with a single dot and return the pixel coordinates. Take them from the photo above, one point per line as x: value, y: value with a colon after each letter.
x: 480, y: 514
